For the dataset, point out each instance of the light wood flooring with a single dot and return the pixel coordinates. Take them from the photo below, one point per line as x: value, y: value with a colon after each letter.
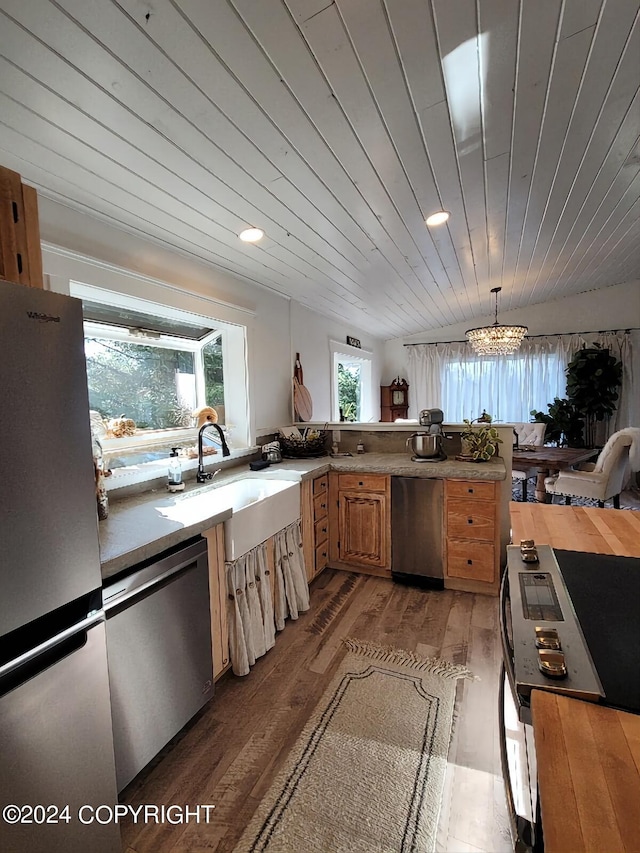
x: 230, y: 753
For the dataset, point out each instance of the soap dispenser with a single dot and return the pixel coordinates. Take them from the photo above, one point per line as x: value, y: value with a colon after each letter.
x: 174, y: 478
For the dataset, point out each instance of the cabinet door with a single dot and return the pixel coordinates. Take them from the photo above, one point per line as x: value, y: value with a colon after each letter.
x: 363, y: 528
x: 218, y: 593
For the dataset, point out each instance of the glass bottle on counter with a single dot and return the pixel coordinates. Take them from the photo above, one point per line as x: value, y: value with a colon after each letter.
x: 174, y: 472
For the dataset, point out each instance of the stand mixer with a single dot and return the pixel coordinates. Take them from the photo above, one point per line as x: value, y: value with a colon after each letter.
x: 427, y: 446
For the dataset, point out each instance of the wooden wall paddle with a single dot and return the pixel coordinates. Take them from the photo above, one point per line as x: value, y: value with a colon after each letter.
x: 302, y: 402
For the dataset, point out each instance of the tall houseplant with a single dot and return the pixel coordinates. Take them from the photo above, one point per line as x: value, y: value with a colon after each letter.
x: 593, y: 379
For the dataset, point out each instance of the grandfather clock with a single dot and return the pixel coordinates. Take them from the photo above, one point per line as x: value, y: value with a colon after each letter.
x: 394, y: 400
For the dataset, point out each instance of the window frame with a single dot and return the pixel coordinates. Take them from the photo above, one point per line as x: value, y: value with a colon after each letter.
x: 345, y: 353
x: 236, y: 382
x: 150, y: 436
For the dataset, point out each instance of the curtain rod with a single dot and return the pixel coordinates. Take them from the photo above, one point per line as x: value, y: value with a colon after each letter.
x: 555, y: 335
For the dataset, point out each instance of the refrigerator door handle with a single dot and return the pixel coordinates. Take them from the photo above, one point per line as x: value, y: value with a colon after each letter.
x: 52, y: 642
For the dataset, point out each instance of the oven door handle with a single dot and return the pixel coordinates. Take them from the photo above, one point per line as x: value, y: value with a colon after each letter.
x: 522, y: 832
x: 507, y: 648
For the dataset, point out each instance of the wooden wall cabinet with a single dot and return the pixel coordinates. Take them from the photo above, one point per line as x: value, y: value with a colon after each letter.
x: 472, y: 545
x: 360, y: 522
x: 315, y: 525
x: 20, y: 250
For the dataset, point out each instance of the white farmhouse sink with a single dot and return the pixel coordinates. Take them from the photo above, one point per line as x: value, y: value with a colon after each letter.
x: 260, y: 509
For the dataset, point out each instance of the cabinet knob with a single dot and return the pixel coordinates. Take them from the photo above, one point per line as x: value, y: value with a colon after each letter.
x: 470, y: 491
x: 361, y: 483
x: 469, y: 521
x: 324, y: 506
x: 469, y: 562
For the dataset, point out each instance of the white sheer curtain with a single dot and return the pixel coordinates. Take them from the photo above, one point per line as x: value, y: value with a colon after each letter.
x: 452, y: 377
x: 424, y: 378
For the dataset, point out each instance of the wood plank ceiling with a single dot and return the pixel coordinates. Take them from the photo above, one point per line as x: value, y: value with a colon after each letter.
x: 337, y: 127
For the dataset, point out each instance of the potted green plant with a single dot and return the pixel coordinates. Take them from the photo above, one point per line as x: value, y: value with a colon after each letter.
x: 593, y: 379
x: 479, y: 439
x: 565, y: 424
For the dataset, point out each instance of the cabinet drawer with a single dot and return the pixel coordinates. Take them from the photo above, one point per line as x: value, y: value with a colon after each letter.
x: 320, y: 505
x: 471, y: 489
x: 472, y: 560
x: 321, y: 530
x: 320, y: 485
x: 363, y: 482
x: 322, y: 556
x: 470, y: 519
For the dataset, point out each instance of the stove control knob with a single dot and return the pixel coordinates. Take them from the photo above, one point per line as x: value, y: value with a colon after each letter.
x: 552, y: 664
x: 547, y: 638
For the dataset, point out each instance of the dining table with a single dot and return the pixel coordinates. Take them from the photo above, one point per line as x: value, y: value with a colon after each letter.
x: 548, y: 461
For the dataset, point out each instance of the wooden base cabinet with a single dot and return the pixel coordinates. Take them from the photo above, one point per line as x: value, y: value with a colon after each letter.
x: 360, y: 521
x: 472, y: 536
x: 315, y: 525
x: 218, y: 596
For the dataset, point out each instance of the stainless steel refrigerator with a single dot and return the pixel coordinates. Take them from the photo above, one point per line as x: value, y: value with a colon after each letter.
x: 56, y: 743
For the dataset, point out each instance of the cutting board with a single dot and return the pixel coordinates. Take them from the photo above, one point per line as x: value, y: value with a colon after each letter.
x: 302, y: 402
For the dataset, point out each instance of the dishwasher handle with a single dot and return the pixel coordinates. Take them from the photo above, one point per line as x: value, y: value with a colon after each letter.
x: 131, y: 586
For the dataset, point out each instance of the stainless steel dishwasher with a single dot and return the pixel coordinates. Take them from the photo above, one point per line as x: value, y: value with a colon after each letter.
x: 417, y: 531
x: 159, y: 653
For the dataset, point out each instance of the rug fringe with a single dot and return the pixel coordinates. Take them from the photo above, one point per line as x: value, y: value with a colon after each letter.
x: 403, y: 657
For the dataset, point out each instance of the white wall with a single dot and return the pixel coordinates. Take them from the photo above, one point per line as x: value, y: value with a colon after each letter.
x: 615, y: 307
x: 310, y: 336
x: 277, y: 327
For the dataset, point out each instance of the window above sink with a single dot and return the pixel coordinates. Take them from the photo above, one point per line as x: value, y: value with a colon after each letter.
x: 153, y: 366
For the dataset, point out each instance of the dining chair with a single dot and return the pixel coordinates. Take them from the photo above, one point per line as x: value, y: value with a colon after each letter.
x: 605, y: 478
x: 528, y: 434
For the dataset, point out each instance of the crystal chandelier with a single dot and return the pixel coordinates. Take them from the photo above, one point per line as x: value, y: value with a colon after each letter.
x: 496, y: 339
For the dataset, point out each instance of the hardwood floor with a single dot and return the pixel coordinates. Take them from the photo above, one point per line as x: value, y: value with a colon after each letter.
x: 230, y: 753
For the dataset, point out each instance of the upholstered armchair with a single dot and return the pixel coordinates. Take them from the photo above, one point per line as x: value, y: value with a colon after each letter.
x: 528, y: 434
x: 605, y: 478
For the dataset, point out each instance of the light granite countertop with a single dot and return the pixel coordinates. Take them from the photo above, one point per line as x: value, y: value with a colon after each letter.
x: 143, y: 526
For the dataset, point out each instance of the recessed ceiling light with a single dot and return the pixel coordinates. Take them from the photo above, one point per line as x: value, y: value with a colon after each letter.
x: 437, y: 218
x: 251, y: 235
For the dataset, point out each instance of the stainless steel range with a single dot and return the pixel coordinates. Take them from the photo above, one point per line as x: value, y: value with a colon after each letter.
x: 569, y: 624
x: 542, y: 623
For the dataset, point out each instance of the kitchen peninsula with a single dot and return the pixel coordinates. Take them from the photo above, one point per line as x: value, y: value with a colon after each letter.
x: 140, y: 527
